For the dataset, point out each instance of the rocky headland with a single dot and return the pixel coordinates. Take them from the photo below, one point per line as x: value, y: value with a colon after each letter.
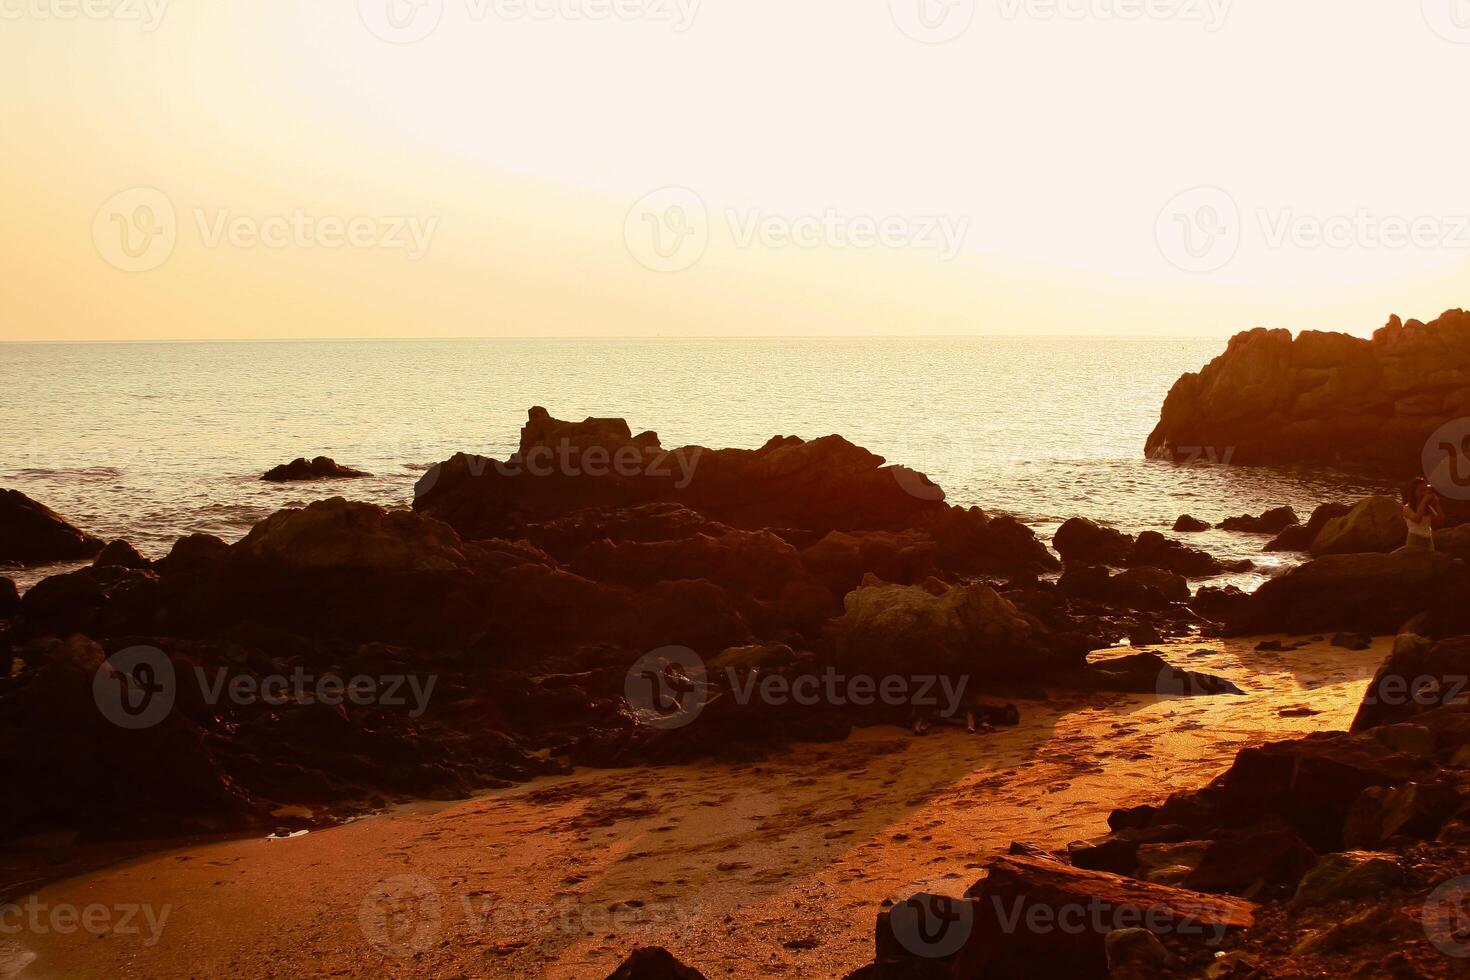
x: 1324, y: 398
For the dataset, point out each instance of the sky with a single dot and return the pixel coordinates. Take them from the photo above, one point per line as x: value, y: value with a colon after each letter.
x: 451, y: 168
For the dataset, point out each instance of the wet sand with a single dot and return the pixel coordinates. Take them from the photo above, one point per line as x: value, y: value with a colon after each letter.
x: 768, y: 869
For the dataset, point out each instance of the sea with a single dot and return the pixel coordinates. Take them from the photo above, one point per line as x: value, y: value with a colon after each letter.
x: 151, y: 441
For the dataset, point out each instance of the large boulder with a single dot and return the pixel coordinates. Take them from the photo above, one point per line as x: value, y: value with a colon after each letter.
x: 1322, y: 397
x: 1299, y: 537
x: 905, y: 630
x: 1374, y: 524
x: 1038, y: 917
x: 32, y: 533
x: 1418, y: 677
x: 1080, y: 539
x: 1365, y: 593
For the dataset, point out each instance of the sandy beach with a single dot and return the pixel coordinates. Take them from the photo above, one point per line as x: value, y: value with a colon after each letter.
x: 774, y: 868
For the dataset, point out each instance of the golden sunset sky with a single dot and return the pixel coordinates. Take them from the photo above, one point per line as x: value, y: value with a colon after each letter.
x: 262, y: 169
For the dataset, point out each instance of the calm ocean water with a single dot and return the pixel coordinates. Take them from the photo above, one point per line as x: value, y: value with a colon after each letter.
x: 149, y: 441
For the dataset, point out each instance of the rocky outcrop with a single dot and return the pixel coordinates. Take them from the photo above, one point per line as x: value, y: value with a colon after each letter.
x: 302, y: 469
x: 1085, y: 541
x: 1299, y: 537
x: 1374, y: 524
x: 1364, y: 593
x: 1323, y: 397
x: 33, y: 534
x: 802, y: 490
x: 1190, y: 525
x: 1419, y: 676
x: 1273, y: 521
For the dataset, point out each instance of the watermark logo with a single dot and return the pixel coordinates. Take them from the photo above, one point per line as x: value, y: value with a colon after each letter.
x: 668, y: 229
x: 39, y: 918
x: 1446, y: 918
x: 1450, y: 19
x: 667, y: 688
x: 402, y: 916
x: 932, y: 926
x: 135, y: 688
x: 932, y: 21
x: 401, y: 21
x: 136, y: 230
x: 1446, y: 459
x: 148, y: 14
x: 1199, y: 230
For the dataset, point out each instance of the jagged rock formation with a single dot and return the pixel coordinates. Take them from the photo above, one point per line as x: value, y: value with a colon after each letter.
x: 1323, y: 397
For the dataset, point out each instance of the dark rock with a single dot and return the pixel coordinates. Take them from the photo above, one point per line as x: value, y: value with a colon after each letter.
x: 1364, y: 593
x: 1252, y: 862
x: 1219, y: 604
x: 1416, y: 678
x: 302, y: 469
x: 1300, y: 536
x: 122, y: 555
x: 1082, y: 540
x: 1154, y: 550
x: 1023, y: 901
x: 1188, y: 524
x: 1273, y: 521
x: 192, y: 554
x: 33, y: 534
x: 106, y: 600
x: 1117, y: 853
x: 1312, y: 782
x: 654, y: 963
x: 1414, y: 809
x: 1323, y: 397
x: 1352, y: 641
x: 801, y: 489
x: 9, y: 598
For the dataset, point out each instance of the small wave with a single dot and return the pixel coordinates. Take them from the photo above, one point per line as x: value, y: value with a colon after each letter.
x: 83, y: 472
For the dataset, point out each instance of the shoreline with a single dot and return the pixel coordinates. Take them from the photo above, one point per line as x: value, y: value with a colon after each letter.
x: 799, y: 849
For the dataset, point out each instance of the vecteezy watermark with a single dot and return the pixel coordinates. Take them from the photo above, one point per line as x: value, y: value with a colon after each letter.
x: 932, y: 21
x: 1098, y: 916
x: 565, y: 458
x: 402, y: 916
x: 148, y: 14
x: 411, y: 21
x: 405, y: 915
x: 1211, y: 14
x: 669, y: 687
x: 669, y: 230
x: 1446, y: 459
x: 136, y: 688
x: 1202, y: 230
x: 138, y: 229
x: 1446, y: 917
x: 1199, y: 229
x: 38, y: 918
x: 1424, y: 691
x: 932, y: 926
x: 1450, y: 19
